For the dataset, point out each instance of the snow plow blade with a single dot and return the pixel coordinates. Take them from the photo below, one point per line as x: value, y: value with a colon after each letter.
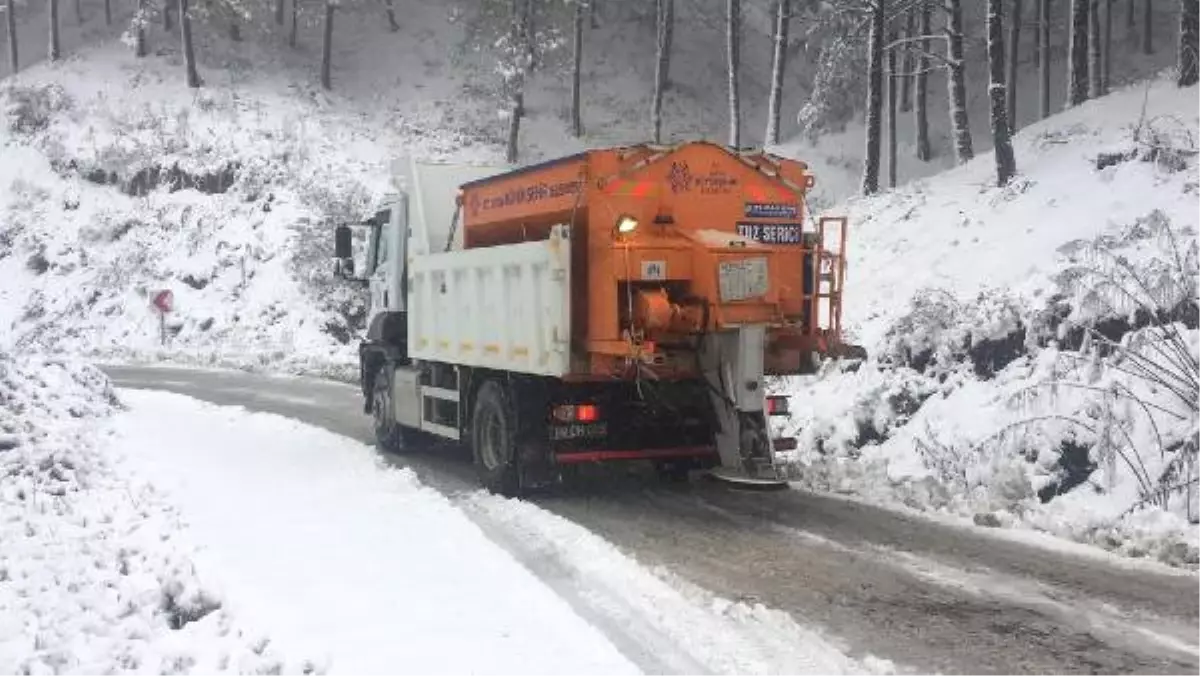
x: 739, y: 479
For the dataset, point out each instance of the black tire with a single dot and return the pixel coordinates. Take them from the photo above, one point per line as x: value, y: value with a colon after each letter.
x: 390, y: 435
x: 494, y: 440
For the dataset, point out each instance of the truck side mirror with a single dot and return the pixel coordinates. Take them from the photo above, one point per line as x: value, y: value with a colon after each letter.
x: 342, y: 243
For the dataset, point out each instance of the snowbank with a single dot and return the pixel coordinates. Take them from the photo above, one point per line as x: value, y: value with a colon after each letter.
x: 1032, y: 347
x: 96, y: 573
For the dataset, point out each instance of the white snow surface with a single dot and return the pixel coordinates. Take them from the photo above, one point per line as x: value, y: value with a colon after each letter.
x: 360, y: 567
x: 96, y: 569
x: 953, y: 263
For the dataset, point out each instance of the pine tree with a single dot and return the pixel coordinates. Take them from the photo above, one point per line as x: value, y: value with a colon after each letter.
x: 167, y: 17
x: 107, y: 12
x: 778, y: 65
x: 577, y: 68
x: 55, y: 46
x: 189, y: 52
x: 870, y: 179
x: 1147, y: 27
x: 733, y: 20
x: 921, y: 85
x: 521, y: 57
x: 892, y: 98
x: 78, y: 12
x: 1106, y: 71
x: 1077, y: 72
x: 1189, y: 42
x: 665, y: 20
x: 139, y: 48
x: 295, y: 24
x: 1001, y: 138
x: 1095, y: 57
x: 956, y: 63
x: 278, y: 12
x: 10, y: 20
x: 1014, y: 50
x: 1044, y: 64
x: 906, y: 64
x: 390, y: 6
x: 327, y: 46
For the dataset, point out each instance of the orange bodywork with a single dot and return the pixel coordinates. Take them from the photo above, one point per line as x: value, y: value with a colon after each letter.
x: 704, y: 213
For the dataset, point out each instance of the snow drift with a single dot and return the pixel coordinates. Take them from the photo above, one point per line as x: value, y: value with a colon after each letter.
x: 1033, y: 347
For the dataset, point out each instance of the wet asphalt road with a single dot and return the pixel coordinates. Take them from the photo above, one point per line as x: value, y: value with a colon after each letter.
x: 928, y: 596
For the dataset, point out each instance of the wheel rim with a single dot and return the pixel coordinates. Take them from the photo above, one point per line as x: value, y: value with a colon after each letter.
x: 491, y: 439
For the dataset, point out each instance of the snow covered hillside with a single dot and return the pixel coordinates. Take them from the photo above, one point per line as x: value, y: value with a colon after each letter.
x: 1033, y: 347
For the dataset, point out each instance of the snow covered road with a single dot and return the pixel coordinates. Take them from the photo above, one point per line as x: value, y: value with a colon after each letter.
x: 924, y: 595
x: 355, y: 565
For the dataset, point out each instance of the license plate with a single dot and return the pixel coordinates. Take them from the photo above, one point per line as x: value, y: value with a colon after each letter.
x: 742, y: 279
x: 579, y: 431
x: 772, y: 233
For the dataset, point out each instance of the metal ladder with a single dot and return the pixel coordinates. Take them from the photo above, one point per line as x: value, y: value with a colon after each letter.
x: 824, y: 291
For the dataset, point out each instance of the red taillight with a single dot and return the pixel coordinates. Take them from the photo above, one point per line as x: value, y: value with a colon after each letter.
x: 583, y: 413
x: 777, y: 405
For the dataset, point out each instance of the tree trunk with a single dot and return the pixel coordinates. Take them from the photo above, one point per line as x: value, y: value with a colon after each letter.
x: 778, y: 65
x: 139, y: 48
x: 1001, y: 138
x: 391, y: 15
x: 189, y: 51
x: 1014, y: 52
x: 278, y: 12
x: 921, y: 85
x: 1147, y: 26
x: 1130, y: 21
x: 1095, y: 58
x: 593, y: 17
x: 1189, y: 42
x: 520, y: 31
x: 529, y: 35
x: 168, y: 18
x: 55, y: 45
x: 235, y: 30
x: 10, y: 20
x: 576, y: 70
x: 1077, y: 69
x: 327, y: 48
x: 1044, y: 65
x: 1106, y: 72
x: 906, y: 64
x: 78, y: 12
x: 892, y: 98
x: 733, y: 16
x: 662, y: 63
x: 870, y: 179
x: 107, y: 12
x: 295, y: 24
x: 959, y: 122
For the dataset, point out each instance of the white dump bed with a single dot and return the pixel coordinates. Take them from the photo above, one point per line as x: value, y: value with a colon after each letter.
x: 503, y: 307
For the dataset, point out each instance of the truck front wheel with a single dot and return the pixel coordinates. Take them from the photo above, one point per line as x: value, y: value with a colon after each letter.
x: 493, y: 440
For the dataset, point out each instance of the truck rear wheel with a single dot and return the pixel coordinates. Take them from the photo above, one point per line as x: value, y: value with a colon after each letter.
x: 390, y: 435
x: 494, y: 440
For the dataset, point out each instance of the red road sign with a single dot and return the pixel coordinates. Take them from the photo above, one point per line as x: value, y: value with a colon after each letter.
x: 163, y: 301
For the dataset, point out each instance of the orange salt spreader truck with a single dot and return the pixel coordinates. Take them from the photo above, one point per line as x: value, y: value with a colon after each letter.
x: 618, y: 304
